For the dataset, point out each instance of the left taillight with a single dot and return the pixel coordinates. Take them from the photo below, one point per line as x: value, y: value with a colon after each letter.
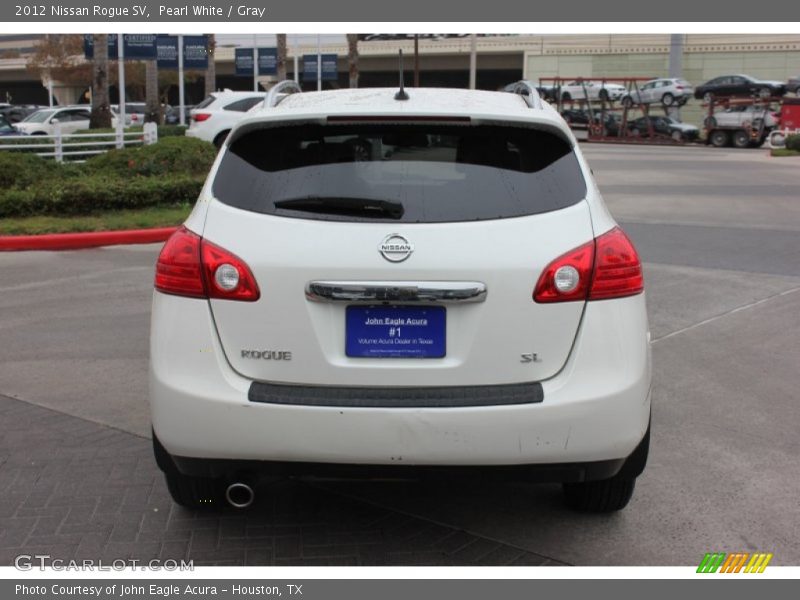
x: 190, y: 266
x: 607, y: 267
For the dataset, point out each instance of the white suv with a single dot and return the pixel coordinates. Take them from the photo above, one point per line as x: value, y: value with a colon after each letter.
x: 43, y: 122
x: 748, y: 115
x: 213, y: 119
x: 591, y: 90
x: 372, y: 285
x: 665, y: 91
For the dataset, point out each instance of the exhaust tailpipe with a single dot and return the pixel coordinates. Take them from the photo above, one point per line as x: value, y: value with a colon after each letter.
x: 240, y: 495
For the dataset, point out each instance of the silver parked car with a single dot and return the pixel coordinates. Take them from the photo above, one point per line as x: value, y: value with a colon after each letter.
x: 743, y: 116
x: 666, y: 91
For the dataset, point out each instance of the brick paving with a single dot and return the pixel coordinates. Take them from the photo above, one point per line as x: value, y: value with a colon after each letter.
x: 78, y: 490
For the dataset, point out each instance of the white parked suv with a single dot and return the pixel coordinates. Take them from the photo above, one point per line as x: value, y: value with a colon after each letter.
x: 43, y: 122
x: 668, y: 92
x: 377, y: 286
x: 747, y: 115
x: 213, y: 119
x: 592, y: 90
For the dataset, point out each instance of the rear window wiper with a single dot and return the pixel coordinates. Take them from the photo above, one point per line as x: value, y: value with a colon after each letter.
x: 359, y: 207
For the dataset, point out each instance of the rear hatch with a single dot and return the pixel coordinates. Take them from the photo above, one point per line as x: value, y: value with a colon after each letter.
x: 398, y: 254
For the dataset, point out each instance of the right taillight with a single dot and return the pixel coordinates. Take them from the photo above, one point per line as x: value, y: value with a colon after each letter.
x: 190, y: 266
x: 617, y: 268
x: 198, y: 117
x: 607, y: 267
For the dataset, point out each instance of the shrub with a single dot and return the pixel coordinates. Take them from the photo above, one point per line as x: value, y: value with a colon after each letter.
x: 793, y: 142
x: 170, y: 155
x: 163, y: 130
x: 88, y: 194
x: 171, y: 131
x: 19, y: 169
x: 22, y: 169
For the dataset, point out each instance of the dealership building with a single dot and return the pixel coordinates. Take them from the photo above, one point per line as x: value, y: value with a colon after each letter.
x: 444, y: 61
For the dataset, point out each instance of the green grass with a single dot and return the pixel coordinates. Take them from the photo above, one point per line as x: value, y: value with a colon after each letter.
x: 784, y: 152
x: 145, y: 218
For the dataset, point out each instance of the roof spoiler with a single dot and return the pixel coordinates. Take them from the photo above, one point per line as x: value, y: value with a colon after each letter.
x: 273, y: 98
x: 529, y: 93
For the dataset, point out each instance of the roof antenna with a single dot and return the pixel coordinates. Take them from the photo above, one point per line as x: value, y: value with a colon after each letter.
x: 401, y: 93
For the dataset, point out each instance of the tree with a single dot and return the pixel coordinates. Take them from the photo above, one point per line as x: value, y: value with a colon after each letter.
x: 101, y: 111
x: 60, y: 57
x: 281, y: 43
x: 153, y: 109
x: 211, y: 71
x: 352, y: 58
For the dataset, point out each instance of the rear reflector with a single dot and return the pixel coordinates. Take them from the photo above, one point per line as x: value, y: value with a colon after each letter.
x: 607, y: 267
x: 198, y: 117
x: 191, y: 266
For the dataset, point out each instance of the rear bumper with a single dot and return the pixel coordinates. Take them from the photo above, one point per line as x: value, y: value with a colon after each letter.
x: 595, y: 410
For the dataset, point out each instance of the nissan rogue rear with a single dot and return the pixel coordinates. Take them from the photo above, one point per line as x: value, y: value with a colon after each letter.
x: 371, y: 285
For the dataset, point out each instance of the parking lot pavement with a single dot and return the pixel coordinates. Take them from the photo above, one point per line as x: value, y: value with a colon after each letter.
x: 77, y: 490
x: 717, y: 232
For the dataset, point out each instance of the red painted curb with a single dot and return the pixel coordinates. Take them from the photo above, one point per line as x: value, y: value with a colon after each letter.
x: 74, y: 241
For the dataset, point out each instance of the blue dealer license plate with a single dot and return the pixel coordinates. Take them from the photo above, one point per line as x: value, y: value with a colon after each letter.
x: 395, y: 331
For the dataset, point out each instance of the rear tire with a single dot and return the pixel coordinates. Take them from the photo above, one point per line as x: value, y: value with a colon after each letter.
x: 190, y: 492
x: 627, y: 102
x: 609, y: 495
x: 719, y: 139
x: 741, y: 139
x: 604, y: 496
x: 708, y: 97
x: 566, y: 97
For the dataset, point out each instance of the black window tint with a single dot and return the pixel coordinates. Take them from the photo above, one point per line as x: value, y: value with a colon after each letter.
x: 437, y: 173
x: 245, y: 104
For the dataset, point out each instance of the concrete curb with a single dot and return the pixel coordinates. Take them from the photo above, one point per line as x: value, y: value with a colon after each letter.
x: 75, y: 241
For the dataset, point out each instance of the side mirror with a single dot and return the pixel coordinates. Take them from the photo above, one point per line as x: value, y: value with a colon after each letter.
x: 54, y: 121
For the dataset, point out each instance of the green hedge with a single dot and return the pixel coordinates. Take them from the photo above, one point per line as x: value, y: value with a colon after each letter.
x: 793, y: 142
x: 170, y: 155
x: 163, y: 130
x: 19, y: 169
x: 169, y: 172
x: 88, y: 194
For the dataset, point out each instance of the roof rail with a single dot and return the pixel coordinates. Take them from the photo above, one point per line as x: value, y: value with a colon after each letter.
x: 529, y: 93
x: 288, y: 86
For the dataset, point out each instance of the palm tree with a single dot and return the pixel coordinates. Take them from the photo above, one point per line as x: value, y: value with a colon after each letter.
x: 211, y: 69
x: 281, y: 43
x: 352, y: 58
x: 153, y: 110
x: 101, y: 111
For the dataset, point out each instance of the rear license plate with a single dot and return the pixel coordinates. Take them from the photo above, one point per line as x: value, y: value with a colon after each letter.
x: 395, y: 331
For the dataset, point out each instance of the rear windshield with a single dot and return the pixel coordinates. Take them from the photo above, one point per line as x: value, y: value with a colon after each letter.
x: 206, y: 101
x: 418, y: 173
